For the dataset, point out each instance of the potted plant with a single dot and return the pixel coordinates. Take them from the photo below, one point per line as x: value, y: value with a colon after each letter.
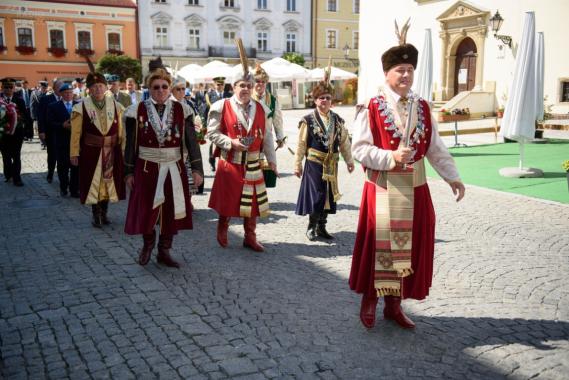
x: 565, y: 166
x: 444, y: 115
x: 57, y: 51
x: 25, y: 49
x: 500, y: 112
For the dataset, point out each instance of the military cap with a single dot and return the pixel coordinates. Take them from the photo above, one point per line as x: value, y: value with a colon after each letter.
x: 65, y: 87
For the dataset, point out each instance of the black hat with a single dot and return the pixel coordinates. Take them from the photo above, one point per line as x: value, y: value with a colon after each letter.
x: 43, y: 83
x: 154, y: 64
x: 94, y: 78
x: 403, y: 53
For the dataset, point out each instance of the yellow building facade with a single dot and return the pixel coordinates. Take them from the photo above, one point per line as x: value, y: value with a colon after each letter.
x: 335, y: 33
x: 42, y: 40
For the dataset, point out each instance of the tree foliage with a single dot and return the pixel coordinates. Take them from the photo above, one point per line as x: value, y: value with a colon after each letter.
x: 121, y: 65
x: 294, y: 58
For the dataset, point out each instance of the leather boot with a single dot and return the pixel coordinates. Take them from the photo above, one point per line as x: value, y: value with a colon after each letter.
x: 104, y: 208
x: 367, y: 310
x: 321, y: 228
x: 394, y: 312
x: 149, y: 241
x: 250, y: 241
x: 311, y: 230
x: 164, y: 245
x: 222, y: 227
x: 97, y: 222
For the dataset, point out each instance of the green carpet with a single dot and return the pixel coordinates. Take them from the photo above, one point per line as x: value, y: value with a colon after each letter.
x: 479, y: 165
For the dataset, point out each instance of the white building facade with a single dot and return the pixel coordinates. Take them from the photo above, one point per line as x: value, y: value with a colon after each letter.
x: 199, y: 31
x: 466, y: 54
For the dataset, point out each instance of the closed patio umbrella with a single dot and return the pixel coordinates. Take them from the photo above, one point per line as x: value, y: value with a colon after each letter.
x: 424, y: 80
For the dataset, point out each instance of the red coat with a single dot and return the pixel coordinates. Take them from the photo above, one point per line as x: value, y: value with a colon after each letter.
x: 141, y: 217
x: 362, y: 272
x: 229, y: 177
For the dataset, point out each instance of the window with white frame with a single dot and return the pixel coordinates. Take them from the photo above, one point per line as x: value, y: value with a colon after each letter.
x: 356, y: 39
x: 56, y: 39
x: 262, y: 41
x: 84, y: 39
x: 25, y: 37
x: 161, y: 36
x: 261, y: 4
x: 160, y: 1
x: 331, y: 38
x: 356, y: 6
x: 194, y: 38
x: 291, y: 42
x: 229, y: 3
x: 229, y: 37
x: 114, y: 41
x: 332, y: 5
x: 193, y: 2
x: 291, y: 5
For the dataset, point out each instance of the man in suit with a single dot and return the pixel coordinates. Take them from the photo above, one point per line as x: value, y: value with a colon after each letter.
x: 26, y: 94
x: 34, y: 105
x: 114, y: 90
x: 212, y: 96
x: 11, y: 144
x: 79, y: 91
x: 134, y: 94
x: 58, y: 118
x: 45, y: 132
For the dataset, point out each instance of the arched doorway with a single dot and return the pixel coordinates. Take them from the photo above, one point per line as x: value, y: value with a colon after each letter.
x: 465, y: 66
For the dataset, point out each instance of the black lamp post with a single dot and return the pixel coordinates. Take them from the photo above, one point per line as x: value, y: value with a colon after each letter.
x: 496, y: 23
x: 346, y: 50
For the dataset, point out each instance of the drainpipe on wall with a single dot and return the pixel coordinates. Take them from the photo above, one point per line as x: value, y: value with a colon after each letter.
x: 137, y: 35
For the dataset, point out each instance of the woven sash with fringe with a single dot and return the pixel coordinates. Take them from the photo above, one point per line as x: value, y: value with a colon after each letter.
x: 394, y: 224
x: 329, y: 162
x: 253, y: 182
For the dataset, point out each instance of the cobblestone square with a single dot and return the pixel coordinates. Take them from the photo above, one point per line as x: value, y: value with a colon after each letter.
x: 75, y: 304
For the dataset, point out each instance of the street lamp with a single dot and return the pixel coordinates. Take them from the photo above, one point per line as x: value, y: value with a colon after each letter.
x: 496, y: 23
x: 346, y: 50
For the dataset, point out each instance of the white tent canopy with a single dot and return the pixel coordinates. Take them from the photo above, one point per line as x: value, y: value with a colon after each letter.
x: 217, y: 69
x: 336, y: 74
x: 280, y: 69
x: 193, y: 73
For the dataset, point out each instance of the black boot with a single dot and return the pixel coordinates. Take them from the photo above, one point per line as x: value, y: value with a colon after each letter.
x: 321, y: 229
x: 311, y: 231
x: 104, y: 208
x: 97, y: 222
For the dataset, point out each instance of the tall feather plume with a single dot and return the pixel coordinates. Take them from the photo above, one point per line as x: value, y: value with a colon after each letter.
x: 328, y: 71
x: 402, y: 35
x: 242, y: 55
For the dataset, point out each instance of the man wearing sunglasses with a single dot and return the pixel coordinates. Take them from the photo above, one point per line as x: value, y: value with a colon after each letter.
x: 97, y: 138
x: 157, y: 133
x: 322, y: 138
x: 393, y: 252
x: 238, y: 127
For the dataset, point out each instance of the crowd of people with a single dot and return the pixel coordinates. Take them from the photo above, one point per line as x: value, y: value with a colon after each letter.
x: 104, y: 140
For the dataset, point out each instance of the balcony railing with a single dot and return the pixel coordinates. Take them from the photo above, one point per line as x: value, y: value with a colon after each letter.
x: 230, y: 52
x: 25, y: 49
x: 57, y: 51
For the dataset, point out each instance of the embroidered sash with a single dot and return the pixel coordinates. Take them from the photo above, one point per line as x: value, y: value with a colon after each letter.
x: 329, y: 162
x: 394, y: 224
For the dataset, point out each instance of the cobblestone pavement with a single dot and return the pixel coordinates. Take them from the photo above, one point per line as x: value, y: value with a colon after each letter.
x: 74, y: 304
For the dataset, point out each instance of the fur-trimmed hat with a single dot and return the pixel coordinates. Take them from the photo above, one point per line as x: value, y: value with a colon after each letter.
x: 154, y: 64
x: 243, y: 72
x: 260, y: 74
x: 402, y: 53
x: 94, y: 78
x: 324, y: 86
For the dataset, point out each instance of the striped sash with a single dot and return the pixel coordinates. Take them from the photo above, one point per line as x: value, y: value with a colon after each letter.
x: 394, y: 224
x: 329, y: 162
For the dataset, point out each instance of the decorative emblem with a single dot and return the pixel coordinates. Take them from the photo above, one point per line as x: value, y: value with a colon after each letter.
x: 400, y: 239
x: 405, y: 56
x: 385, y: 260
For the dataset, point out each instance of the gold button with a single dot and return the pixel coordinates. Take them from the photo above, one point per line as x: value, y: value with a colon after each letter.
x: 391, y: 141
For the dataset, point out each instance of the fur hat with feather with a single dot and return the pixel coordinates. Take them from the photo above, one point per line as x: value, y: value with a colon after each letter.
x: 402, y: 53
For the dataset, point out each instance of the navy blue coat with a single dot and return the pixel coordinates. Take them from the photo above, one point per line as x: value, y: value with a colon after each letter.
x: 56, y: 115
x: 45, y: 101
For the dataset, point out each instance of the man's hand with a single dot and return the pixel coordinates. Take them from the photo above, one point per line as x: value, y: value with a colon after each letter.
x: 67, y: 124
x: 129, y: 180
x: 280, y: 143
x: 74, y: 160
x: 457, y: 187
x: 298, y: 172
x: 198, y: 179
x: 42, y: 136
x: 273, y: 167
x: 236, y: 145
x: 350, y: 167
x: 403, y: 155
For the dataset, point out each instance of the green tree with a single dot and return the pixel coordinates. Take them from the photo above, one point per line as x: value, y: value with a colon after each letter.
x: 121, y: 65
x: 294, y: 58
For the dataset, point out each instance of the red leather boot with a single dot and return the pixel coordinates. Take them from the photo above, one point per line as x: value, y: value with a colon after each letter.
x: 250, y: 225
x: 164, y: 246
x: 394, y: 312
x: 222, y: 227
x: 367, y: 310
x: 146, y: 251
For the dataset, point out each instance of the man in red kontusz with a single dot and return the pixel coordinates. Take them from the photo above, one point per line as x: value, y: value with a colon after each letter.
x: 393, y: 252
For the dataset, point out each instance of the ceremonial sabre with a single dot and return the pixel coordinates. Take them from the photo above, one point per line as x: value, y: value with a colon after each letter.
x: 408, y: 126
